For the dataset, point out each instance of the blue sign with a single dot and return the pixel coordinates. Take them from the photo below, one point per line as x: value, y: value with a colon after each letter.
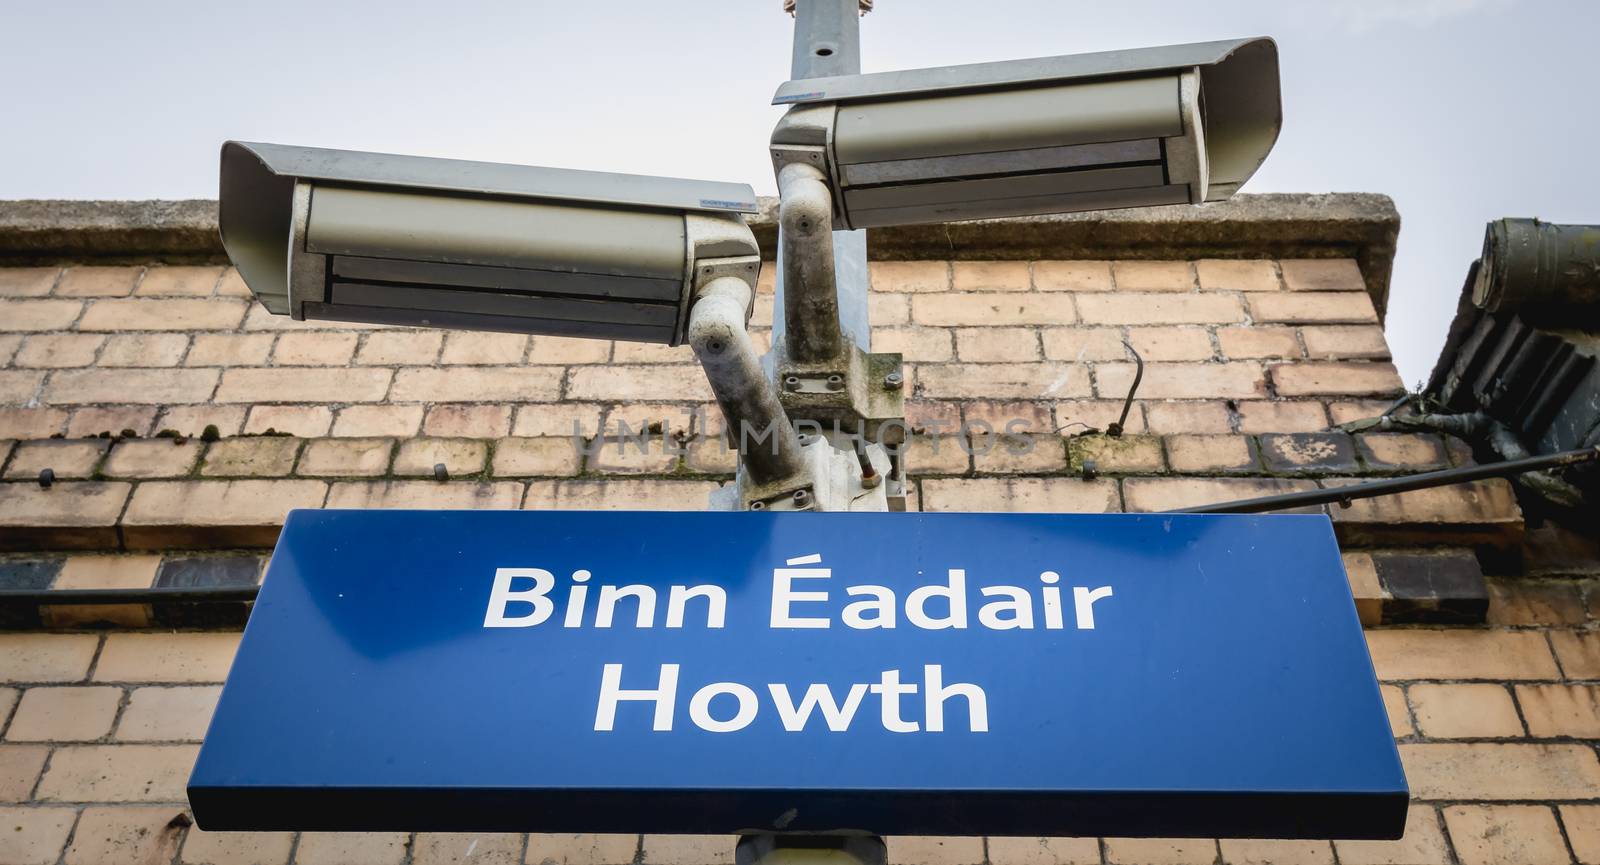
x: 928, y: 674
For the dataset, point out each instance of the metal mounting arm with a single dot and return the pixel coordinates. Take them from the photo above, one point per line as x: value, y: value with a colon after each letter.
x: 768, y: 446
x: 811, y: 295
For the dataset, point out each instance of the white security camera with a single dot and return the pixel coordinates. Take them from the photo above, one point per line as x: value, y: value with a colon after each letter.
x: 1173, y: 125
x: 405, y: 240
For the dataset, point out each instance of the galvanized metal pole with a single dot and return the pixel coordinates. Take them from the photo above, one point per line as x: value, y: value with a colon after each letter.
x: 827, y: 41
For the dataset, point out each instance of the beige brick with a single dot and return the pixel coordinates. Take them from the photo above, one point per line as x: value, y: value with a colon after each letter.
x: 655, y: 456
x: 1153, y: 275
x: 111, y: 420
x: 990, y: 276
x: 417, y: 457
x: 1237, y: 851
x: 301, y: 421
x: 108, y: 572
x: 1072, y: 276
x: 314, y: 349
x: 761, y: 311
x: 688, y: 849
x: 1412, y: 451
x: 484, y: 349
x: 1465, y: 711
x: 64, y: 714
x: 251, y: 456
x: 915, y: 344
x: 1243, y: 275
x: 712, y: 456
x: 1583, y: 830
x: 232, y: 285
x: 1018, y: 454
x: 575, y: 350
x: 997, y: 344
x: 883, y: 310
x: 19, y: 386
x: 9, y: 343
x: 466, y: 848
x: 259, y: 319
x: 59, y: 350
x: 992, y: 309
x: 144, y: 349
x: 1394, y: 705
x: 548, y: 456
x: 481, y: 384
x: 936, y: 455
x: 46, y: 657
x: 1199, y: 454
x: 1161, y: 851
x: 1368, y: 593
x: 117, y: 773
x: 1082, y: 415
x: 928, y: 850
x: 34, y: 836
x: 1334, y: 274
x: 549, y: 849
x: 20, y: 766
x: 351, y: 848
x: 369, y: 421
x: 479, y: 421
x: 229, y: 349
x: 1039, y: 495
x: 1116, y: 455
x: 162, y: 314
x: 1039, y: 381
x: 1281, y: 416
x: 151, y: 458
x: 1579, y: 653
x: 1505, y: 834
x: 1404, y: 654
x: 97, y: 281
x: 1336, y: 379
x: 180, y: 657
x: 1519, y: 601
x: 243, y: 513
x: 138, y: 835
x: 31, y: 422
x: 400, y: 348
x: 68, y: 458
x: 180, y: 281
x: 73, y: 515
x: 1345, y: 411
x: 619, y: 494
x: 1016, y: 416
x: 637, y: 383
x: 304, y: 385
x: 23, y: 316
x: 1340, y: 342
x: 1422, y: 844
x: 1561, y: 710
x: 1477, y: 512
x: 1209, y: 416
x: 1182, y: 380
x: 557, y: 419
x: 27, y: 281
x: 168, y: 714
x: 143, y: 386
x: 1314, y: 308
x: 1263, y: 341
x: 909, y: 276
x: 1079, y: 344
x: 424, y: 494
x: 1043, y: 851
x: 1135, y: 308
x: 236, y: 848
x: 1165, y: 494
x: 1172, y: 343
x: 644, y: 352
x: 345, y: 457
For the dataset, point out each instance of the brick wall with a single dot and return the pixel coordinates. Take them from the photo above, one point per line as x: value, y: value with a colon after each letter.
x: 110, y: 376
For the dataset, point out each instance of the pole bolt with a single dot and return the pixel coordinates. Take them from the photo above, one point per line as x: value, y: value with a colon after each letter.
x: 835, y: 382
x: 758, y: 506
x: 801, y: 497
x: 791, y: 382
x: 894, y: 381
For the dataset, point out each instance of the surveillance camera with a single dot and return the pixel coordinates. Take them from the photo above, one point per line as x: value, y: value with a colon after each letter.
x: 405, y: 240
x: 1172, y: 125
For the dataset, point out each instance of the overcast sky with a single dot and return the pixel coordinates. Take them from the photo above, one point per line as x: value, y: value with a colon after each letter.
x: 1462, y: 110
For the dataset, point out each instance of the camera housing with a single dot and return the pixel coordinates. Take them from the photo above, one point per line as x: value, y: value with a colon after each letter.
x: 1171, y: 125
x: 406, y: 240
